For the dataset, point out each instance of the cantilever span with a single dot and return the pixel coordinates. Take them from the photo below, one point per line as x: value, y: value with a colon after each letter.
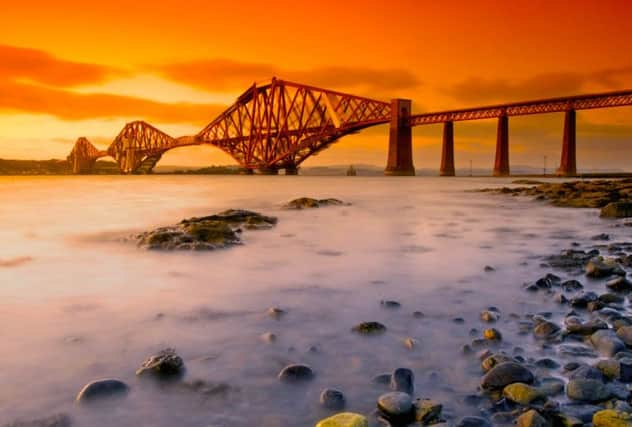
x: 279, y: 124
x: 269, y: 127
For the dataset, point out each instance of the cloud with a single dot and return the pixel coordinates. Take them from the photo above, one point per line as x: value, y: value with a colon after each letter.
x: 546, y: 85
x: 70, y: 105
x: 33, y: 65
x: 222, y: 74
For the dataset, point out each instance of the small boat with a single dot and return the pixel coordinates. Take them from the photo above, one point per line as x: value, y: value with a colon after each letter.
x: 351, y: 171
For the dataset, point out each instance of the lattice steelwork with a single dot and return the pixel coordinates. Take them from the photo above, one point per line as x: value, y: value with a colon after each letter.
x: 84, y: 155
x: 280, y: 124
x: 552, y: 105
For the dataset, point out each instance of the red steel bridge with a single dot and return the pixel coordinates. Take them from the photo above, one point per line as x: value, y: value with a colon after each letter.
x: 280, y: 124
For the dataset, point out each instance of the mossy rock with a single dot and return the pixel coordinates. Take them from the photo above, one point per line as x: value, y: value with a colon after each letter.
x: 522, y: 394
x: 612, y: 418
x: 344, y: 419
x: 621, y: 209
x: 211, y: 232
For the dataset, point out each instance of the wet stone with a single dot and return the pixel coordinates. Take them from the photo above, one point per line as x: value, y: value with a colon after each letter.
x: 587, y: 390
x: 599, y: 267
x: 296, y: 373
x: 276, y: 312
x: 369, y: 328
x: 495, y: 359
x: 165, y: 364
x: 532, y: 418
x: 546, y: 330
x: 612, y: 418
x: 492, y: 334
x: 344, y: 419
x: 606, y: 342
x: 610, y: 368
x: 384, y: 379
x: 396, y: 406
x: 571, y: 286
x: 403, y: 380
x: 521, y: 393
x: 574, y: 325
x: 625, y: 370
x: 473, y: 421
x: 390, y: 304
x: 547, y: 363
x: 488, y: 316
x: 332, y: 399
x: 504, y: 374
x: 100, y: 389
x: 308, y: 202
x: 620, y: 284
x: 427, y: 411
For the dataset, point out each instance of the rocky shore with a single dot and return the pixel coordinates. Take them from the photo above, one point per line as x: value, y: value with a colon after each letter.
x: 613, y: 197
x: 584, y: 379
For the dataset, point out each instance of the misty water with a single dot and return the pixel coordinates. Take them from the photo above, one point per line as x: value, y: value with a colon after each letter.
x: 78, y: 303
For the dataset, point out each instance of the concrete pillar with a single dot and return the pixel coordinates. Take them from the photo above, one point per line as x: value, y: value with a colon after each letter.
x: 568, y: 164
x: 400, y: 142
x: 501, y: 165
x: 447, y: 153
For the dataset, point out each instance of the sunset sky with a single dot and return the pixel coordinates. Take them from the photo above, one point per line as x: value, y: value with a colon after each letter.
x: 79, y: 68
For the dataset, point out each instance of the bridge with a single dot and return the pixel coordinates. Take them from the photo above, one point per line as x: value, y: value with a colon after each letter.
x: 280, y: 124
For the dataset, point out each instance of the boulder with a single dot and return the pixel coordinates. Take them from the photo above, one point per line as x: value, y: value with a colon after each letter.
x: 587, y: 390
x: 606, y: 342
x: 308, y: 203
x: 612, y: 418
x: 621, y: 209
x: 296, y: 373
x: 532, y: 418
x: 522, y: 394
x: 165, y: 364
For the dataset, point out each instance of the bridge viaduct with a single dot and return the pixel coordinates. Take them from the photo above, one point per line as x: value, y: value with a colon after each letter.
x: 280, y: 124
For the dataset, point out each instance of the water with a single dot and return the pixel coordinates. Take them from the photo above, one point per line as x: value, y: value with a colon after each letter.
x: 78, y: 304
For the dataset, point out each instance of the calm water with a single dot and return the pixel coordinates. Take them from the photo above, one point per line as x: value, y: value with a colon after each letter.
x: 78, y: 304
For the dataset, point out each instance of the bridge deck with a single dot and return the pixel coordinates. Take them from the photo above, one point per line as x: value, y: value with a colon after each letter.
x: 551, y: 105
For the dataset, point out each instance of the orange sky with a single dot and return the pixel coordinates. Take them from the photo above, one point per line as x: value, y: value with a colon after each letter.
x: 70, y: 68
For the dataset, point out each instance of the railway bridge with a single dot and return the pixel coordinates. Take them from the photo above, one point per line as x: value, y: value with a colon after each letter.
x: 279, y: 124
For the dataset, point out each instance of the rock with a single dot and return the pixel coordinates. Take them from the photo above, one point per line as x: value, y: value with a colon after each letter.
x: 546, y: 330
x: 618, y: 390
x: 581, y: 412
x: 427, y: 411
x: 617, y: 210
x: 522, y: 394
x: 504, y: 374
x: 492, y: 334
x: 576, y: 350
x: 165, y: 364
x: 390, y: 304
x: 495, y: 359
x: 587, y: 372
x: 308, y: 203
x: 612, y: 418
x: 620, y: 284
x: 332, y: 399
x: 403, y: 380
x: 587, y: 390
x: 102, y: 389
x: 547, y: 363
x: 625, y: 370
x: 296, y: 373
x: 599, y: 268
x: 344, y: 419
x: 57, y: 420
x: 601, y: 237
x: 488, y: 316
x: 410, y: 343
x: 369, y: 328
x: 276, y: 312
x: 418, y: 315
x: 397, y: 407
x: 610, y: 298
x: 606, y: 342
x: 551, y: 386
x: 532, y: 418
x: 206, y: 233
x: 571, y: 286
x: 471, y: 421
x: 268, y: 337
x: 574, y: 325
x: 610, y: 368
x: 489, y: 269
x: 582, y: 300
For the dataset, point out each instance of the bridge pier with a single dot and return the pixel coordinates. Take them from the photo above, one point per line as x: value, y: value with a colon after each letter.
x: 568, y: 163
x: 447, y: 152
x: 400, y: 145
x: 501, y: 165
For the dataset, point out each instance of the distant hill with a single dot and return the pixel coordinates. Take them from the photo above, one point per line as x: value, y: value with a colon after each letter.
x: 50, y: 167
